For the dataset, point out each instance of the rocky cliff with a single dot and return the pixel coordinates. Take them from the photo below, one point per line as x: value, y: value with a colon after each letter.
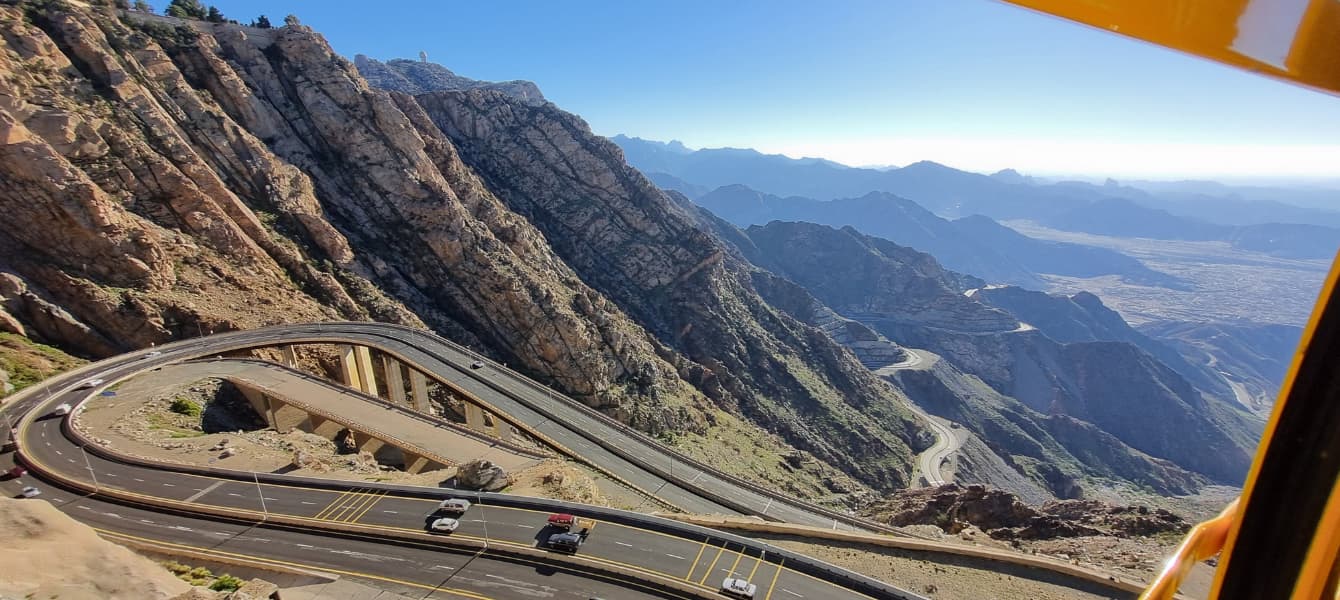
x: 417, y: 77
x: 1120, y: 398
x: 165, y: 179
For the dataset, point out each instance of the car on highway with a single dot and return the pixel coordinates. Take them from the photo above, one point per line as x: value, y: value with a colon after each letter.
x: 567, y: 541
x: 88, y: 383
x: 562, y: 521
x: 15, y: 473
x: 62, y: 409
x: 479, y: 364
x: 444, y: 525
x: 30, y: 492
x: 736, y: 587
x: 454, y: 505
x: 152, y: 354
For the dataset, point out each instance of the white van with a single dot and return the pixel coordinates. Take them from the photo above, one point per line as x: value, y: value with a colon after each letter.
x: 61, y: 410
x: 454, y: 505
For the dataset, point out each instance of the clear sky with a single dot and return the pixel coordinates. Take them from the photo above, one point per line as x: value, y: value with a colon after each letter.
x: 975, y: 84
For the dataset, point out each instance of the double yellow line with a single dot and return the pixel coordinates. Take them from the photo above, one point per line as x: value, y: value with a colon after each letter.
x: 350, y: 505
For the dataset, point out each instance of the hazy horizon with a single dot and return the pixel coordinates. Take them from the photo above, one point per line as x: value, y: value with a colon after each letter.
x: 1325, y: 183
x: 975, y: 84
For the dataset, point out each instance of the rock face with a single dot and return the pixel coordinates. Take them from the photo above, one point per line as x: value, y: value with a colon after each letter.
x: 418, y: 77
x: 482, y: 475
x: 1125, y: 407
x: 637, y: 247
x: 1002, y: 516
x: 164, y: 179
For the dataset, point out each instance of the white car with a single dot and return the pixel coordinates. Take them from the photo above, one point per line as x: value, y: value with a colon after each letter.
x: 30, y: 492
x: 152, y: 354
x: 88, y: 383
x: 454, y: 505
x: 738, y: 588
x: 445, y: 525
x: 479, y: 364
x: 62, y: 410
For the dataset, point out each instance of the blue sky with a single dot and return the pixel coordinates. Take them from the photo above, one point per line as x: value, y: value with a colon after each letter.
x: 976, y: 84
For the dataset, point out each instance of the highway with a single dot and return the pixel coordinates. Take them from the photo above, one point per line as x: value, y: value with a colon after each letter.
x: 416, y: 565
x: 602, y: 442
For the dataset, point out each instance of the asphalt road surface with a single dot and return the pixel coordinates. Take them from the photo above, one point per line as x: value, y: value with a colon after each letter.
x: 442, y: 571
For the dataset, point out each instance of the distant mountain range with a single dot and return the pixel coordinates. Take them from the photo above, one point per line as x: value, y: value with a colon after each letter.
x: 1109, y: 209
x: 976, y: 245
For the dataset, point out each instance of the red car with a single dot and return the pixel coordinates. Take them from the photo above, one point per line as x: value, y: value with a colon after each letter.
x: 561, y: 520
x: 16, y: 472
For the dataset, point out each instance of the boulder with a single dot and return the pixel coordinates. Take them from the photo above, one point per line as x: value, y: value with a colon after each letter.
x: 482, y: 475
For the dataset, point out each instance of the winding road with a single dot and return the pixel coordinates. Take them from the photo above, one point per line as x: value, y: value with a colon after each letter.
x: 345, y: 526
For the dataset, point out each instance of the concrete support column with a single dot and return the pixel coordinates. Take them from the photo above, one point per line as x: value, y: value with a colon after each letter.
x: 290, y: 357
x: 474, y: 418
x: 418, y: 384
x: 283, y: 416
x: 395, y: 380
x: 349, y: 368
x: 363, y: 361
x: 367, y: 443
x: 324, y: 427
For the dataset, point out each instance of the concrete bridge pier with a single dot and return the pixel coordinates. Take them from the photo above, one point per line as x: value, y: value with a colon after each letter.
x: 290, y: 357
x: 395, y: 380
x: 487, y: 423
x: 356, y: 366
x: 419, y: 392
x: 279, y: 414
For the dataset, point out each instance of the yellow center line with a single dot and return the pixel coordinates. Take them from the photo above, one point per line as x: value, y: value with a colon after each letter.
x: 755, y: 569
x: 713, y: 565
x: 333, y: 503
x: 375, y: 499
x: 352, y: 507
x: 739, y: 555
x: 772, y: 586
x: 456, y: 592
x: 694, y: 565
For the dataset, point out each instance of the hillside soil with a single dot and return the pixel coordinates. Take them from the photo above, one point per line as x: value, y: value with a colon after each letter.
x: 139, y: 420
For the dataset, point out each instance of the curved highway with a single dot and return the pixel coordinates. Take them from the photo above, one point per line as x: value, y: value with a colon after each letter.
x: 618, y: 546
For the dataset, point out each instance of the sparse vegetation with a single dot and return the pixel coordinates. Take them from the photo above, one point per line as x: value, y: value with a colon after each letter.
x: 28, y: 362
x: 201, y: 576
x: 226, y: 583
x: 186, y: 406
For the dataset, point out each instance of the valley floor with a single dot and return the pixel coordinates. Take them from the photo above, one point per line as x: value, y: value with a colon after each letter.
x: 1229, y: 284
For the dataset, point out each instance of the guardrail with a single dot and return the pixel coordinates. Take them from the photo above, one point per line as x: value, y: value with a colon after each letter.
x: 792, y: 560
x: 356, y: 530
x: 656, y: 446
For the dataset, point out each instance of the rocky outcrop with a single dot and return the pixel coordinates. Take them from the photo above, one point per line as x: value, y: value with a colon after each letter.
x: 625, y: 238
x: 419, y: 77
x: 166, y: 178
x: 482, y: 475
x: 1002, y: 516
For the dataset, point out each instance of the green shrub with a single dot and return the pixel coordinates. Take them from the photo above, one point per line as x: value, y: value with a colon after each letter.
x: 183, y: 406
x: 226, y: 583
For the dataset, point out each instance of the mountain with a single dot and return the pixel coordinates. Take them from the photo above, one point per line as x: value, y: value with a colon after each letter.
x: 417, y: 77
x: 1110, y: 209
x: 975, y: 245
x: 1083, y: 318
x: 1114, y: 386
x: 1252, y: 358
x: 162, y: 178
